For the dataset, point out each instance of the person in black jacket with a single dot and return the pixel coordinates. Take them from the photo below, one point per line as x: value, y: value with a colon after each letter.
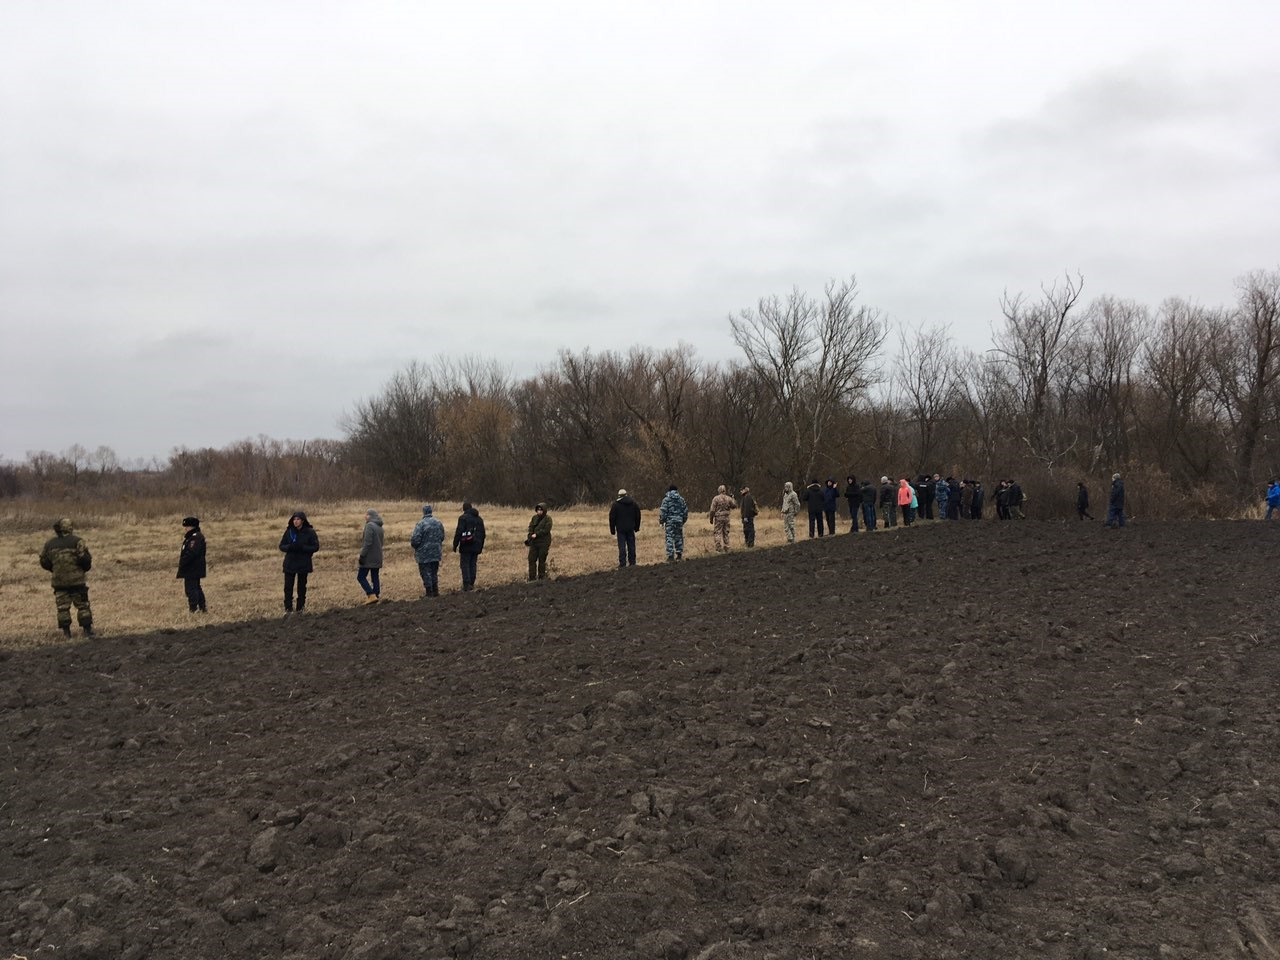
x: 813, y: 500
x: 1115, y: 503
x: 1002, y: 501
x: 1082, y: 501
x: 191, y: 566
x: 624, y: 521
x: 953, y: 498
x: 298, y: 545
x: 979, y: 500
x: 867, y: 495
x: 888, y: 502
x: 1016, y: 499
x: 468, y: 543
x: 853, y: 496
x: 831, y: 503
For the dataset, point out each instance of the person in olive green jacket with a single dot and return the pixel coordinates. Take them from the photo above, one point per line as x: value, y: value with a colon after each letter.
x: 68, y: 559
x: 539, y: 542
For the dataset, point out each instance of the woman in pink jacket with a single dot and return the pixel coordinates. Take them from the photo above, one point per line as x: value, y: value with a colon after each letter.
x: 906, y: 496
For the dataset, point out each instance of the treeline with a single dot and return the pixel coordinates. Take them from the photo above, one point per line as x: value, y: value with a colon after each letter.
x: 1182, y: 398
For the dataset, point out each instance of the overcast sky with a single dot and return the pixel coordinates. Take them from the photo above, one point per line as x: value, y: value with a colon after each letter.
x: 222, y: 219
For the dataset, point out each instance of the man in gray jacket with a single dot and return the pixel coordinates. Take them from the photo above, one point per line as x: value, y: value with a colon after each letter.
x: 371, y: 557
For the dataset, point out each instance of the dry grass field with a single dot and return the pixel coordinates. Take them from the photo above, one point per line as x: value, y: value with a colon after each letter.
x: 133, y: 585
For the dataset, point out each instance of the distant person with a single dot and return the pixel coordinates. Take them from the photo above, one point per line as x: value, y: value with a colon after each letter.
x: 624, y: 521
x: 831, y: 503
x: 1082, y: 501
x: 906, y: 501
x: 298, y: 545
x: 722, y: 505
x: 370, y: 563
x: 813, y: 499
x: 1115, y: 503
x: 790, y: 507
x: 747, y: 504
x: 673, y: 512
x: 1002, y: 501
x: 979, y: 500
x: 966, y: 499
x: 67, y: 557
x: 539, y: 542
x: 888, y: 503
x: 924, y: 497
x: 1273, y: 498
x: 867, y: 500
x: 427, y: 541
x: 853, y: 498
x: 941, y: 496
x: 468, y: 544
x: 1016, y: 500
x: 953, y: 498
x: 191, y: 564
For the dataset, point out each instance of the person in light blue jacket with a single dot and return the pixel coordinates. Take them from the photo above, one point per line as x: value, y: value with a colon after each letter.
x: 427, y: 542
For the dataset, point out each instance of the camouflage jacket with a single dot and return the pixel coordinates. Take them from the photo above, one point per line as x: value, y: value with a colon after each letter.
x: 66, y: 557
x: 673, y: 509
x: 721, y: 504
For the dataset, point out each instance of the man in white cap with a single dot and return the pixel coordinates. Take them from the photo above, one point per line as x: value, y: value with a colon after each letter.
x: 624, y: 521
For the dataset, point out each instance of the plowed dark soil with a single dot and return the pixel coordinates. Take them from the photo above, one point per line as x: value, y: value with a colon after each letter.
x: 964, y: 740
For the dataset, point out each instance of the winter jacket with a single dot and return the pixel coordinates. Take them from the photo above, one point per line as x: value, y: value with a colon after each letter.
x: 1273, y: 495
x: 888, y: 495
x: 941, y: 494
x: 298, y: 545
x: 427, y: 539
x: 853, y: 494
x: 540, y: 528
x: 830, y: 497
x: 790, y: 503
x: 624, y: 516
x: 1117, y: 494
x: 191, y: 564
x: 748, y: 506
x: 468, y: 536
x: 905, y: 494
x: 868, y: 493
x: 1015, y: 495
x: 371, y: 545
x: 814, y: 498
x: 721, y: 504
x: 1082, y: 497
x: 66, y: 557
x: 673, y: 509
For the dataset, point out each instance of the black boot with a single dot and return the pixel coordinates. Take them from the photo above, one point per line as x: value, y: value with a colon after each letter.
x: 88, y: 629
x: 65, y: 628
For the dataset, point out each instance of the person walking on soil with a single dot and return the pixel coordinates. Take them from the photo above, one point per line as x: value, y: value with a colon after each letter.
x: 672, y: 514
x: 813, y: 499
x: 624, y: 521
x: 191, y: 565
x: 888, y: 503
x: 1082, y: 501
x: 1273, y: 498
x: 721, y: 506
x: 1115, y: 503
x: 67, y: 558
x: 790, y: 507
x: 427, y: 541
x: 370, y: 563
x: 468, y: 544
x: 299, y: 544
x: 539, y: 542
x: 749, y: 512
x: 906, y: 499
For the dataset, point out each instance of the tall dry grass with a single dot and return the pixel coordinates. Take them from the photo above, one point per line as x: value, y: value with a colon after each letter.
x: 134, y: 589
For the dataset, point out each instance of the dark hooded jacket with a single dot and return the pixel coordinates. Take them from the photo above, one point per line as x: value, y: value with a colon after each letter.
x: 868, y: 493
x: 191, y: 565
x: 66, y: 557
x: 830, y: 496
x: 814, y: 498
x: 468, y: 536
x: 298, y: 545
x: 624, y: 516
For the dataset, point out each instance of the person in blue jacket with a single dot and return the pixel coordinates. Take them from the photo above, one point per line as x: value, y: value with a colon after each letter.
x: 1273, y: 498
x: 831, y: 503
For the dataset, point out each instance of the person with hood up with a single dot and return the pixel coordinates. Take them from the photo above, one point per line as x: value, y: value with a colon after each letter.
x: 539, y: 542
x: 624, y: 521
x: 1115, y: 504
x: 672, y: 514
x: 888, y: 503
x: 1273, y: 498
x: 831, y: 503
x: 790, y: 507
x: 468, y: 544
x: 721, y: 506
x: 749, y: 513
x: 67, y: 557
x: 427, y: 541
x: 191, y: 564
x: 370, y: 562
x: 853, y: 496
x: 299, y: 544
x: 906, y: 501
x: 813, y: 499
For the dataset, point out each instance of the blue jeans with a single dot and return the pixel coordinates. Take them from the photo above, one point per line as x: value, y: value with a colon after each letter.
x: 1115, y: 516
x: 1270, y: 507
x: 366, y: 575
x: 869, y: 515
x: 626, y: 549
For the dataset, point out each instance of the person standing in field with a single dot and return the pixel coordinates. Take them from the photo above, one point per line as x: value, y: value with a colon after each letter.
x: 1115, y: 504
x: 539, y: 542
x: 813, y: 500
x: 721, y: 505
x: 624, y: 521
x: 979, y: 500
x: 941, y: 496
x: 191, y: 564
x: 672, y: 514
x: 1273, y: 498
x: 1082, y: 501
x: 853, y: 497
x: 427, y: 541
x: 888, y: 503
x: 831, y: 503
x: 790, y: 507
x: 1016, y: 499
x: 371, y: 557
x: 906, y: 501
x: 867, y: 495
x: 749, y: 513
x: 68, y: 559
x: 468, y: 544
x: 299, y: 544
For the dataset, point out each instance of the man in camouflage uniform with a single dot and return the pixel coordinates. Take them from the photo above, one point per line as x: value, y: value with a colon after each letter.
x: 68, y: 559
x: 721, y: 505
x: 790, y: 507
x: 672, y: 514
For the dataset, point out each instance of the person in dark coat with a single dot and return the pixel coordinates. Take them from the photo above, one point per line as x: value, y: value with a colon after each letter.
x: 888, y: 502
x: 191, y: 564
x: 624, y: 521
x: 299, y: 544
x: 979, y: 500
x: 468, y: 543
x: 867, y: 494
x: 1115, y: 503
x: 831, y: 503
x: 369, y: 566
x: 853, y: 496
x: 749, y: 510
x: 1082, y: 501
x: 953, y: 498
x: 1016, y: 499
x: 539, y: 542
x: 1002, y: 501
x: 813, y: 500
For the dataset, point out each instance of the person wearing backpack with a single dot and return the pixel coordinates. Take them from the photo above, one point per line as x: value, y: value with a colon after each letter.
x: 468, y: 543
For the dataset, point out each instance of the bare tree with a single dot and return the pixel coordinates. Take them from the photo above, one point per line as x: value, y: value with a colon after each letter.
x: 815, y: 357
x: 395, y: 436
x: 1107, y: 352
x: 924, y: 382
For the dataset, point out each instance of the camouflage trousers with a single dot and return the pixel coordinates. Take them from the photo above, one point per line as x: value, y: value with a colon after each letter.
x: 79, y: 596
x: 675, y: 540
x: 720, y: 531
x: 789, y: 526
